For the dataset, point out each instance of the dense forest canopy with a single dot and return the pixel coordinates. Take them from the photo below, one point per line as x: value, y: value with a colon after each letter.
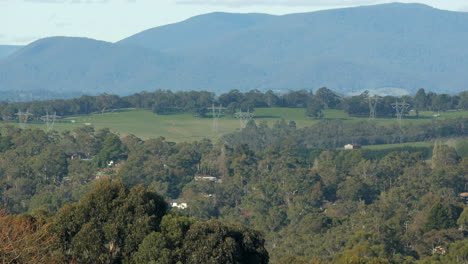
x: 295, y: 193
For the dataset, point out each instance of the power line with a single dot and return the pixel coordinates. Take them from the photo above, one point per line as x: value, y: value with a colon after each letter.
x: 243, y: 117
x: 216, y: 114
x: 400, y: 109
x: 373, y: 100
x: 49, y: 120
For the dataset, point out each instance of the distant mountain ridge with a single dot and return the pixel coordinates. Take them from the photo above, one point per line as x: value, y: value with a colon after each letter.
x: 7, y: 50
x: 406, y: 46
x: 194, y: 31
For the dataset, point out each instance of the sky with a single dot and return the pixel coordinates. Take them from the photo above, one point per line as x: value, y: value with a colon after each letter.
x: 24, y: 21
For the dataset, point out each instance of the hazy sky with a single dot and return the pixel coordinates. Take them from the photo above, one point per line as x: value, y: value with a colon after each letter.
x: 23, y: 21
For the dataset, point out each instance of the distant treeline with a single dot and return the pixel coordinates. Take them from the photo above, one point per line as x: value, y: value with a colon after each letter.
x: 199, y: 102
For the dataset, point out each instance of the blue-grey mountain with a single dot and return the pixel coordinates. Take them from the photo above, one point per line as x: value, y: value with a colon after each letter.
x: 405, y: 46
x: 6, y: 50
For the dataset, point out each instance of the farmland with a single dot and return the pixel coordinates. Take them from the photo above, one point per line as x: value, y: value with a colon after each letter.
x: 185, y: 127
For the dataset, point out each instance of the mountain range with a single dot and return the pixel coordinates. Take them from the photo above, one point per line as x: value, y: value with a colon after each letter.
x: 405, y: 46
x: 6, y: 50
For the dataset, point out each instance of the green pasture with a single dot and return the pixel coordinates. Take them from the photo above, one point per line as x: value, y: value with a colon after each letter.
x: 459, y: 144
x: 184, y: 127
x: 403, y: 145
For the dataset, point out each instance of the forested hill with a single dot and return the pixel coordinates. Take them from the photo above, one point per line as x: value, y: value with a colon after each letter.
x: 64, y: 64
x: 348, y: 50
x: 196, y: 31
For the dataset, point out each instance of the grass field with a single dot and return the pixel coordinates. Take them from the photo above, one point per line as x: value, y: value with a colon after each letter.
x: 391, y: 146
x: 185, y: 127
x: 459, y: 144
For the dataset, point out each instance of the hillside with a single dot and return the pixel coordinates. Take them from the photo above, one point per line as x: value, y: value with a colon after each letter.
x: 194, y: 31
x: 70, y: 65
x: 405, y: 46
x: 6, y: 50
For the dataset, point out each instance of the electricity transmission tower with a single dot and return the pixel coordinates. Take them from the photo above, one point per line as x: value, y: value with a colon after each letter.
x: 373, y: 100
x: 23, y: 118
x: 243, y: 117
x: 216, y: 110
x: 49, y: 120
x: 400, y: 109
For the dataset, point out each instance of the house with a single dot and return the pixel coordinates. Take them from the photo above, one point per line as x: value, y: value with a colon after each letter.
x: 203, y: 177
x: 246, y: 213
x: 352, y: 146
x: 78, y: 155
x: 179, y: 205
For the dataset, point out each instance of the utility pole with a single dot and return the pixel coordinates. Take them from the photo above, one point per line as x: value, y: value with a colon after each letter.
x: 216, y: 113
x: 49, y: 120
x: 373, y: 100
x: 400, y: 109
x: 243, y: 117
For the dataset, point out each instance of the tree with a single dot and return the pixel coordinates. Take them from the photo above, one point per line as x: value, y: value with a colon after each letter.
x: 25, y: 239
x: 463, y: 219
x: 85, y: 140
x: 420, y: 100
x: 327, y: 98
x: 442, y: 216
x: 357, y: 105
x: 111, y: 150
x: 314, y: 108
x: 354, y: 189
x: 105, y: 101
x: 441, y: 102
x: 108, y: 224
x: 50, y: 166
x: 212, y: 242
x: 463, y: 102
x: 154, y: 250
x: 443, y: 156
x: 164, y: 247
x: 5, y: 143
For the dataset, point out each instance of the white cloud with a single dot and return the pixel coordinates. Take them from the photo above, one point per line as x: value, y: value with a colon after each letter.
x: 238, y: 3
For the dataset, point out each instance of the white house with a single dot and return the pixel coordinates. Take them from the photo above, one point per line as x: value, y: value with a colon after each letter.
x: 352, y: 146
x: 179, y: 205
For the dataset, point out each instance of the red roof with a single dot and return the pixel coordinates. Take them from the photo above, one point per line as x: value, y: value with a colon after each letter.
x: 246, y: 213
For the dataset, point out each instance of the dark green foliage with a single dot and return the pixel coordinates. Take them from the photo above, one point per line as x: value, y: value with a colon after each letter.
x: 327, y: 97
x: 420, y: 100
x: 5, y: 143
x: 164, y: 247
x: 463, y: 219
x: 180, y: 240
x: 442, y: 216
x: 111, y: 150
x: 315, y: 107
x: 317, y: 204
x: 336, y: 133
x: 154, y: 250
x: 357, y: 105
x: 355, y: 190
x: 227, y: 244
x: 108, y: 224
